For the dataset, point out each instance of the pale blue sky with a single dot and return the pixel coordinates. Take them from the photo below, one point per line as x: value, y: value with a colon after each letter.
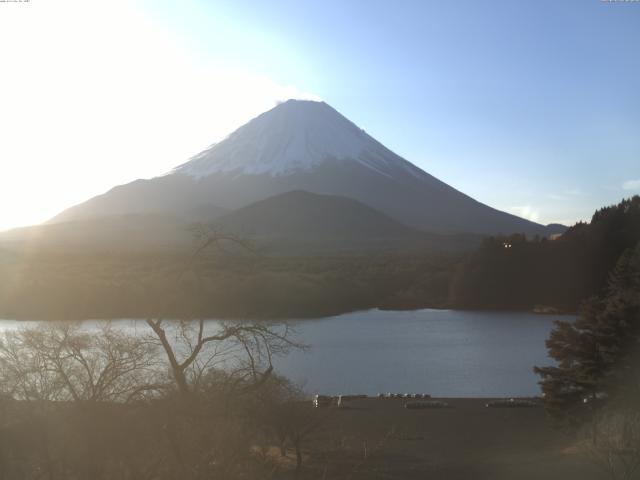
x: 531, y: 106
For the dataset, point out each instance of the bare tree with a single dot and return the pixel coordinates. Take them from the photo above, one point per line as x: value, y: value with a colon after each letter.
x: 302, y: 420
x: 247, y: 349
x: 289, y: 415
x: 66, y: 411
x: 63, y: 362
x: 617, y: 449
x: 70, y: 390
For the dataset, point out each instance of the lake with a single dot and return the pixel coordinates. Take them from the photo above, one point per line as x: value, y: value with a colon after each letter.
x: 441, y: 352
x: 446, y: 353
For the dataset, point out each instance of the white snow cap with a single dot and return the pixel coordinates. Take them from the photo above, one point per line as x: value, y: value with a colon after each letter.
x: 295, y: 135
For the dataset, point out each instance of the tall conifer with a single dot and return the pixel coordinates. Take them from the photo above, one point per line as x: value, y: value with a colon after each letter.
x: 598, y: 355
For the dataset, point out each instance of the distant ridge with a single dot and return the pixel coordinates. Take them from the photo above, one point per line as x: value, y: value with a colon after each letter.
x: 296, y: 222
x: 304, y: 222
x: 304, y: 145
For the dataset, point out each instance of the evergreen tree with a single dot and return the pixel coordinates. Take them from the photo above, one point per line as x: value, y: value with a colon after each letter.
x: 560, y: 273
x: 598, y: 355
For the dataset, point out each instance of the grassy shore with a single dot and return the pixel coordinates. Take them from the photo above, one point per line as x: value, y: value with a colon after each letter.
x: 379, y: 439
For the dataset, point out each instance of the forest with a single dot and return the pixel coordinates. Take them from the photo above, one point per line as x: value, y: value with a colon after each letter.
x: 47, y: 285
x: 518, y: 273
x: 509, y: 273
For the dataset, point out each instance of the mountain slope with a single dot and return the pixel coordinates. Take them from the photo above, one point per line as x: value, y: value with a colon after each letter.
x: 304, y: 222
x: 296, y: 223
x: 303, y: 145
x: 115, y: 233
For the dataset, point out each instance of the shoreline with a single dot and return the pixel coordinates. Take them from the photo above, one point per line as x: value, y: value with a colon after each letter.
x: 467, y: 440
x: 19, y: 318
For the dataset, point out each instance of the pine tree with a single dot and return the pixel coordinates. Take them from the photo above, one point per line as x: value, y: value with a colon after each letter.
x: 598, y: 355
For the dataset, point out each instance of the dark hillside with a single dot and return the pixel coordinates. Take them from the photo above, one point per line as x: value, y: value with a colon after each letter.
x: 513, y: 272
x: 300, y: 222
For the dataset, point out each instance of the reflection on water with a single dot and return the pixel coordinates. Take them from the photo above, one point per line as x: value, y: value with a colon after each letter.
x: 441, y: 352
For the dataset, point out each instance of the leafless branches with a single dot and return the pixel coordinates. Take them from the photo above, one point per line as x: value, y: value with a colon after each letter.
x: 616, y: 447
x: 87, y: 378
x: 62, y: 362
x: 246, y: 350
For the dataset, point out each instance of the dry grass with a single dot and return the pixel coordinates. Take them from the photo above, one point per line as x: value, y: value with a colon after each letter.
x: 379, y: 439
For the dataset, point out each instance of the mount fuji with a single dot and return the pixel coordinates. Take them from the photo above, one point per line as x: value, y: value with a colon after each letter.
x: 303, y: 146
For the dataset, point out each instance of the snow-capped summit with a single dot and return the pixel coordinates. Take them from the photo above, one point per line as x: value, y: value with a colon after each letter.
x: 293, y: 136
x: 304, y: 145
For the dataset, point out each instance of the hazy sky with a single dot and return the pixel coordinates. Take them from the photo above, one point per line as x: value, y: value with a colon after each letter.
x: 530, y: 106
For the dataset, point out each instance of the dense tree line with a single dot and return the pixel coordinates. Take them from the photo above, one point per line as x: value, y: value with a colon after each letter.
x: 45, y: 285
x: 518, y: 273
x: 511, y: 272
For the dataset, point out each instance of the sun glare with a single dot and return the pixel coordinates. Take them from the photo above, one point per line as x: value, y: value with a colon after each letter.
x: 96, y: 94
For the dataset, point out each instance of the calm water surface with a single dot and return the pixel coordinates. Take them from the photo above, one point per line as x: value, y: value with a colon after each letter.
x: 441, y: 352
